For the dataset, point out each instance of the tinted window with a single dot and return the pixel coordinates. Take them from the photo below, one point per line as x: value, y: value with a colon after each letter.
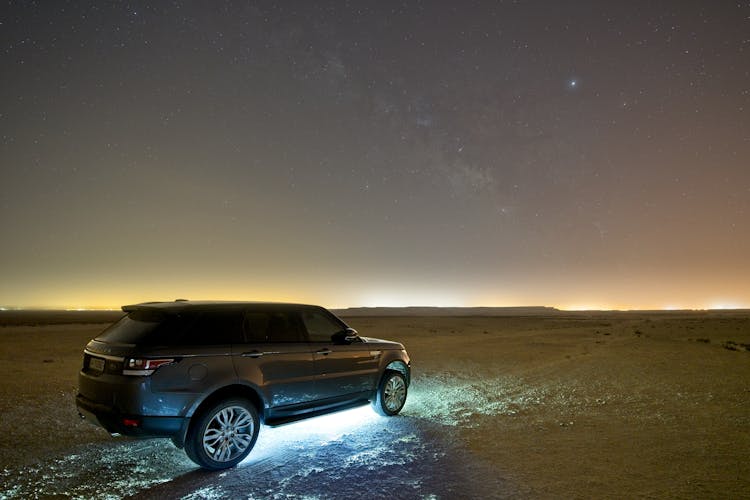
x: 214, y: 328
x: 256, y: 326
x: 320, y: 326
x: 145, y: 327
x: 271, y: 327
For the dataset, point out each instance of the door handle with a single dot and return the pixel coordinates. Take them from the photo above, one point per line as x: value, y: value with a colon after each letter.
x: 324, y: 352
x: 252, y: 354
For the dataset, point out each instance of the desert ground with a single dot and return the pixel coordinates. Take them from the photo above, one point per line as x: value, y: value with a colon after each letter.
x: 585, y: 405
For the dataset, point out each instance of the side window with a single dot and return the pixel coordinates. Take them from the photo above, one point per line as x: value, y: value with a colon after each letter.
x: 214, y: 328
x: 256, y: 327
x: 271, y: 327
x: 320, y: 326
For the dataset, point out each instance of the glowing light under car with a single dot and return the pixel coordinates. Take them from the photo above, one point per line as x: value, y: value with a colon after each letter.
x: 312, y: 432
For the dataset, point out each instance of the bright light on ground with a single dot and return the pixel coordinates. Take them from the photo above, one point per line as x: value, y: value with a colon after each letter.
x: 313, y: 432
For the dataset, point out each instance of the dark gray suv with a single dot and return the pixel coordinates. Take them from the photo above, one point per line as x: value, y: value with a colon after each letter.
x: 205, y: 374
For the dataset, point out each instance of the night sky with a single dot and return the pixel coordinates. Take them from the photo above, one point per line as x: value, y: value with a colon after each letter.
x: 591, y: 154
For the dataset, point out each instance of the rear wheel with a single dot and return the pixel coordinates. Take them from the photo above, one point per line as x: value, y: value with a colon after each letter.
x: 223, y: 435
x: 391, y: 394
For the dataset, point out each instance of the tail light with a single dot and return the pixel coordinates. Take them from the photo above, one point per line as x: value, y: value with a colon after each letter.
x: 144, y: 367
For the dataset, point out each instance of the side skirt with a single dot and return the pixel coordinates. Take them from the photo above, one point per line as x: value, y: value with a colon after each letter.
x: 286, y: 415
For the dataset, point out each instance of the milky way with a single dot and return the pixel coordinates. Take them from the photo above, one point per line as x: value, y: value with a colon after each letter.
x: 571, y: 154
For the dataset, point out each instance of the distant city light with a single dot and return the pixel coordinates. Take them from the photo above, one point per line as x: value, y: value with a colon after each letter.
x: 587, y: 307
x: 396, y: 298
x: 727, y: 305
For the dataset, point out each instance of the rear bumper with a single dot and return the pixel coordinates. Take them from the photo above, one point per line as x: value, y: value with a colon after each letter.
x: 147, y: 426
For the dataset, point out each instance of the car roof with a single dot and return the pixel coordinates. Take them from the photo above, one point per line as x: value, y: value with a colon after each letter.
x: 181, y: 305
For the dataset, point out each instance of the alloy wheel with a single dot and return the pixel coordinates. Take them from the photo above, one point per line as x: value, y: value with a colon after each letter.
x: 228, y: 434
x: 395, y: 393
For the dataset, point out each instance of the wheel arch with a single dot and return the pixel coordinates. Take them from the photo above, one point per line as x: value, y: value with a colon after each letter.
x: 401, y: 367
x: 228, y: 391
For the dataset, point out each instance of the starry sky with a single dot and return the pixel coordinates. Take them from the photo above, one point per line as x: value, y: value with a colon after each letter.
x: 589, y: 154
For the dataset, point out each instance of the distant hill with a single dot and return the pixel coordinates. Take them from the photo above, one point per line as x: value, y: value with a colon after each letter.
x: 447, y: 311
x: 32, y: 317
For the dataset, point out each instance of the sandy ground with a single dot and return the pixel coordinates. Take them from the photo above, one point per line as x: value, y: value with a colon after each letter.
x: 588, y: 406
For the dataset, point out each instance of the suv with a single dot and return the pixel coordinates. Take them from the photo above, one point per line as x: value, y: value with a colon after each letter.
x: 205, y: 374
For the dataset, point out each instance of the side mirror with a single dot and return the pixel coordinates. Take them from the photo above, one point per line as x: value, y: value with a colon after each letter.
x: 346, y: 336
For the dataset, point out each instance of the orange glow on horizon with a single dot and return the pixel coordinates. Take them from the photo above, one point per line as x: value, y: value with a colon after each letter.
x: 340, y: 292
x: 114, y: 301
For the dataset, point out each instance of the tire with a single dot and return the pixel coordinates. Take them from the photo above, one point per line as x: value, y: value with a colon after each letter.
x: 223, y: 435
x: 391, y: 394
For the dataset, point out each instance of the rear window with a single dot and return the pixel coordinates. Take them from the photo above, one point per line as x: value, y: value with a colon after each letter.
x: 146, y: 328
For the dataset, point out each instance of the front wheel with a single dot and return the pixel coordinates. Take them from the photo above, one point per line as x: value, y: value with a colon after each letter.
x: 223, y: 435
x: 391, y: 394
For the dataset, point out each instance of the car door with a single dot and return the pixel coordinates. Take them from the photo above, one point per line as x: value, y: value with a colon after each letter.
x: 276, y: 358
x: 341, y: 370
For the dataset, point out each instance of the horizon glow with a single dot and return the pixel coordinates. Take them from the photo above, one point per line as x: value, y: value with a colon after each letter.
x: 441, y: 155
x: 579, y: 306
